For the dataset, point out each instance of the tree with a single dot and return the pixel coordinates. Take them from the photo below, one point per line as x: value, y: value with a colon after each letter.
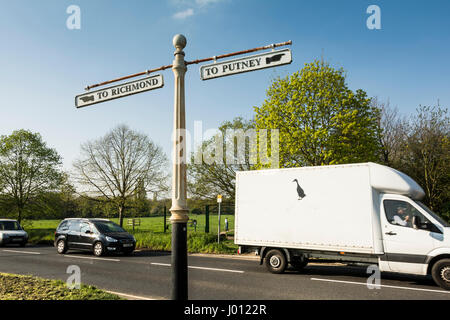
x: 207, y: 180
x: 393, y: 133
x: 427, y: 155
x: 320, y: 120
x: 28, y: 170
x: 118, y: 165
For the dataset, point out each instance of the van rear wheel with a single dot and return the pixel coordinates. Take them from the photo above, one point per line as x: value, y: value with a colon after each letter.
x: 275, y: 261
x: 441, y: 273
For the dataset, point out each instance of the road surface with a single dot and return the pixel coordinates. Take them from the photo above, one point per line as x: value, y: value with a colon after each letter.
x: 147, y: 275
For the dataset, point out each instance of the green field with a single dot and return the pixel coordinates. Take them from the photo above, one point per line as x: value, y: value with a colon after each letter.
x: 150, y: 234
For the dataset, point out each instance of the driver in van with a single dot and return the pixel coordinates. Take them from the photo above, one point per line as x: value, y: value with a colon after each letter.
x: 401, y: 218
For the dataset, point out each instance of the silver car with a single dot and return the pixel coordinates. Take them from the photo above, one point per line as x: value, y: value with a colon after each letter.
x: 12, y: 232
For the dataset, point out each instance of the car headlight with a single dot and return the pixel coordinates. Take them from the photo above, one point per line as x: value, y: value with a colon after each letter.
x: 109, y: 239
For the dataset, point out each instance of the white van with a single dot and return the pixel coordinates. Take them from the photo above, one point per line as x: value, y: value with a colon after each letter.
x: 366, y: 213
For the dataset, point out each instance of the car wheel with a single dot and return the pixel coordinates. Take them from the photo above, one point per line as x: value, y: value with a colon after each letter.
x: 275, y: 261
x: 98, y: 249
x: 441, y: 273
x: 61, y: 246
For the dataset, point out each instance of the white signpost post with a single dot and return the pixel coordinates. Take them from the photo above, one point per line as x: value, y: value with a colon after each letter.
x: 246, y: 64
x: 179, y: 207
x: 119, y: 91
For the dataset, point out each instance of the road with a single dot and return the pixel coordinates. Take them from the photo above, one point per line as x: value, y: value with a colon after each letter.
x: 147, y: 275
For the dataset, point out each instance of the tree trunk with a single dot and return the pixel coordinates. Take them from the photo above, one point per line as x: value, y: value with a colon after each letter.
x: 19, y: 217
x: 121, y: 210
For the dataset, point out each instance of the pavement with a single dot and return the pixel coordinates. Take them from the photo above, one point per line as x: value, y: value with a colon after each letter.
x: 146, y: 275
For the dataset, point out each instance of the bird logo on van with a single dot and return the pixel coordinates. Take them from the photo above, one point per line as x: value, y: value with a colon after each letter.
x: 300, y: 192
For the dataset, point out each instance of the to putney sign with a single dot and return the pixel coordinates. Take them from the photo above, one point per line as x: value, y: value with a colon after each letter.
x: 246, y: 64
x: 119, y: 91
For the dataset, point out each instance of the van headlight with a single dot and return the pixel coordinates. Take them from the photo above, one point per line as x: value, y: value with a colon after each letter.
x: 109, y: 239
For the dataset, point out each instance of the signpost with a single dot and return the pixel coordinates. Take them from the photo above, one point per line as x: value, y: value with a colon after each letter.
x: 119, y: 91
x: 179, y: 210
x: 246, y: 64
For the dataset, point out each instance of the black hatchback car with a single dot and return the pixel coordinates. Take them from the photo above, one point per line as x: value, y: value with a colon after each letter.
x: 100, y: 236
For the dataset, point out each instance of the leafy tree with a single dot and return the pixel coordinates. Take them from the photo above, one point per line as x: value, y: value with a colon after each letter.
x: 320, y: 120
x: 118, y: 165
x: 28, y: 170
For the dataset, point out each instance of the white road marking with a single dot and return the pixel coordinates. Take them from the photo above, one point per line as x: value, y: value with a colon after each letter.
x: 91, y: 258
x: 201, y: 268
x: 18, y: 251
x: 382, y: 285
x: 126, y: 295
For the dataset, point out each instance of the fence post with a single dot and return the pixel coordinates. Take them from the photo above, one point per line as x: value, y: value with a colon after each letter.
x: 207, y: 219
x: 165, y: 220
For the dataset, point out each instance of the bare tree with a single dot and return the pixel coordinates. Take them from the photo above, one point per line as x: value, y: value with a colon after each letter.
x: 206, y: 181
x: 393, y: 132
x: 428, y: 154
x: 115, y: 166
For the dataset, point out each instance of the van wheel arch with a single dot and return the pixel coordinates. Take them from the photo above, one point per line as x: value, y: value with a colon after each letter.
x: 433, y: 261
x: 265, y: 250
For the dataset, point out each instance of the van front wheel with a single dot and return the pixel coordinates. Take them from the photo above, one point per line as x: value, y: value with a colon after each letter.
x: 275, y: 261
x: 441, y: 273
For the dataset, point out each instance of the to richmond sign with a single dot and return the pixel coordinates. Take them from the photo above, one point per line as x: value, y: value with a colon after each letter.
x: 119, y: 91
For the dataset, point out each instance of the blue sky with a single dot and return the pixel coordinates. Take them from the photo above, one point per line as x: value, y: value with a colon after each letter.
x: 43, y: 64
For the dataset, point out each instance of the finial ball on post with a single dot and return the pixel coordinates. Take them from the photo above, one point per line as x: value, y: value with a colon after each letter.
x: 179, y: 41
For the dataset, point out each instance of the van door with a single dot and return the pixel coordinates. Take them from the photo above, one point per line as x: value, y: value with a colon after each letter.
x: 406, y: 247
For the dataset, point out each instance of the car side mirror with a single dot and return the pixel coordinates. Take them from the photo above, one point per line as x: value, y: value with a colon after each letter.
x: 88, y: 231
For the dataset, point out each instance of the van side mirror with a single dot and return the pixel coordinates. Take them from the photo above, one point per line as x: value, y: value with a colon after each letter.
x: 416, y: 223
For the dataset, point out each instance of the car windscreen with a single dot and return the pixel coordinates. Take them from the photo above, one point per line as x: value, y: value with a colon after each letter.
x: 107, y: 227
x: 9, y: 225
x: 434, y: 215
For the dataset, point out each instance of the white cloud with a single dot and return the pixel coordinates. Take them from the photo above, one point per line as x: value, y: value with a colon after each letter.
x: 184, y: 14
x: 202, y: 3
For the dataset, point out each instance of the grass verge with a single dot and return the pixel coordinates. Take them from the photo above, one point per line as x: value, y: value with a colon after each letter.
x: 18, y: 287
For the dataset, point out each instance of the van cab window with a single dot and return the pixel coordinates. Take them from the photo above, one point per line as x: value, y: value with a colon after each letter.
x: 403, y: 214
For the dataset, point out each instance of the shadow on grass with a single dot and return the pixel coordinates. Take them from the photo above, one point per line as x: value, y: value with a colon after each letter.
x: 41, y: 236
